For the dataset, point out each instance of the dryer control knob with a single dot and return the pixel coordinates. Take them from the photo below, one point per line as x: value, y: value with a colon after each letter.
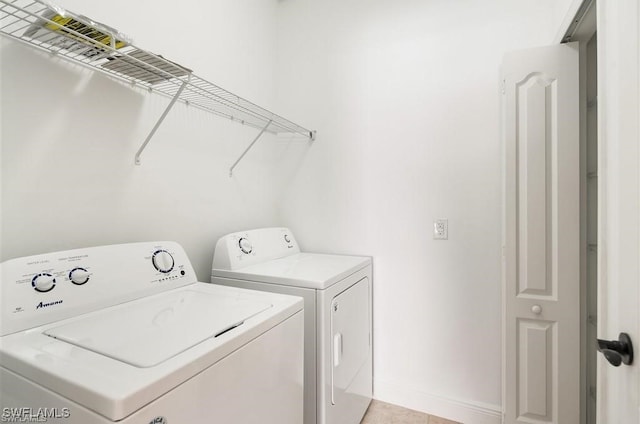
x: 245, y: 245
x: 79, y: 276
x: 43, y: 282
x: 163, y: 261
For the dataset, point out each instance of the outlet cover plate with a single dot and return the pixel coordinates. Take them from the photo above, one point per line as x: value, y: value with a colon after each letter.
x: 441, y: 229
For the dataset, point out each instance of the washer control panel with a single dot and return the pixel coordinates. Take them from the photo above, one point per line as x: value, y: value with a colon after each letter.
x: 238, y: 250
x: 40, y: 289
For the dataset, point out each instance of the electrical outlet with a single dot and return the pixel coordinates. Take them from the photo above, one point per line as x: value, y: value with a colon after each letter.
x: 440, y: 229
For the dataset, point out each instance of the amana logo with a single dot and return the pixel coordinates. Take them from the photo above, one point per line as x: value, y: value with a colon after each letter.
x: 44, y: 305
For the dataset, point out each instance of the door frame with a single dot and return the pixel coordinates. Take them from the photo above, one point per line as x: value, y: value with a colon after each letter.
x: 581, y: 27
x: 618, y: 136
x: 619, y: 204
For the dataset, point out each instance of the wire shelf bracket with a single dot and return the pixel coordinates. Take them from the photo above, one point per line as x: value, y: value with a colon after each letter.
x: 157, y: 125
x: 101, y: 48
x: 248, y: 148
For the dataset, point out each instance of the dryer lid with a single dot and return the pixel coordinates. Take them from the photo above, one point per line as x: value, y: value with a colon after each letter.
x: 146, y: 334
x: 310, y: 270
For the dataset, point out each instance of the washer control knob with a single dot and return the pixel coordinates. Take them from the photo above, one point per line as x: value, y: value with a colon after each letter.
x: 245, y: 245
x: 43, y: 282
x: 163, y: 261
x: 287, y: 238
x: 79, y: 276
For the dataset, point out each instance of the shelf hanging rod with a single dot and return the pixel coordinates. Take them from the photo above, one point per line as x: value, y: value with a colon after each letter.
x: 164, y: 115
x: 248, y: 148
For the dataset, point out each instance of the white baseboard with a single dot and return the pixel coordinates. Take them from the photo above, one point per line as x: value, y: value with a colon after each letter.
x: 467, y: 412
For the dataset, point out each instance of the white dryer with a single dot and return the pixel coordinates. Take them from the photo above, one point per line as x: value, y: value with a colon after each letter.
x: 337, y: 314
x: 126, y: 334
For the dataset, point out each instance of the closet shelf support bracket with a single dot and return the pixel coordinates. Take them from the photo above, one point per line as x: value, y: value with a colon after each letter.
x: 248, y: 148
x: 164, y: 115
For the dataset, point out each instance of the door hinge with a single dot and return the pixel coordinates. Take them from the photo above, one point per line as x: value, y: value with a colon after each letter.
x: 503, y: 85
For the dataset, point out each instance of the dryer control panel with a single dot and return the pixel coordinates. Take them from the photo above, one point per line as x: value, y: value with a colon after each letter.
x: 238, y: 250
x: 41, y: 289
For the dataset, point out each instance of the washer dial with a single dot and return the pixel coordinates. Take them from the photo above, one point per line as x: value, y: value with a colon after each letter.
x: 43, y: 282
x: 79, y: 276
x: 245, y: 245
x: 163, y: 261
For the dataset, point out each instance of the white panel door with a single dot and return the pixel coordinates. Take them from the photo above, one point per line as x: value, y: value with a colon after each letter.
x: 619, y: 203
x: 541, y: 274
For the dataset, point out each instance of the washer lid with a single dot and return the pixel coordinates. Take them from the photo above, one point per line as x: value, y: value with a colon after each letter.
x: 146, y: 334
x: 116, y: 389
x: 310, y: 270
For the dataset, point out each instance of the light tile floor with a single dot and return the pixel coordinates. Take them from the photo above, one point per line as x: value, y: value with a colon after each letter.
x: 386, y: 413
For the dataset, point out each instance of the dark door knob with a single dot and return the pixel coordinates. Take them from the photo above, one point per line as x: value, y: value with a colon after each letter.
x: 617, y: 351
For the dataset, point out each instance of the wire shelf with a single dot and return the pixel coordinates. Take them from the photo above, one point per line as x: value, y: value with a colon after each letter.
x: 103, y: 49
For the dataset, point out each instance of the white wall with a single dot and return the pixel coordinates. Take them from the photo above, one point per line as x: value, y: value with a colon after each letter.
x: 405, y: 98
x: 69, y: 136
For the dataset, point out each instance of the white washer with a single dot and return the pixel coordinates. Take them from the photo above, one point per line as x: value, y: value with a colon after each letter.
x: 337, y: 309
x: 126, y: 334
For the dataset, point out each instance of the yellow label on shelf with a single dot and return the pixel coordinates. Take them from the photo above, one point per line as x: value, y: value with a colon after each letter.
x: 67, y: 23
